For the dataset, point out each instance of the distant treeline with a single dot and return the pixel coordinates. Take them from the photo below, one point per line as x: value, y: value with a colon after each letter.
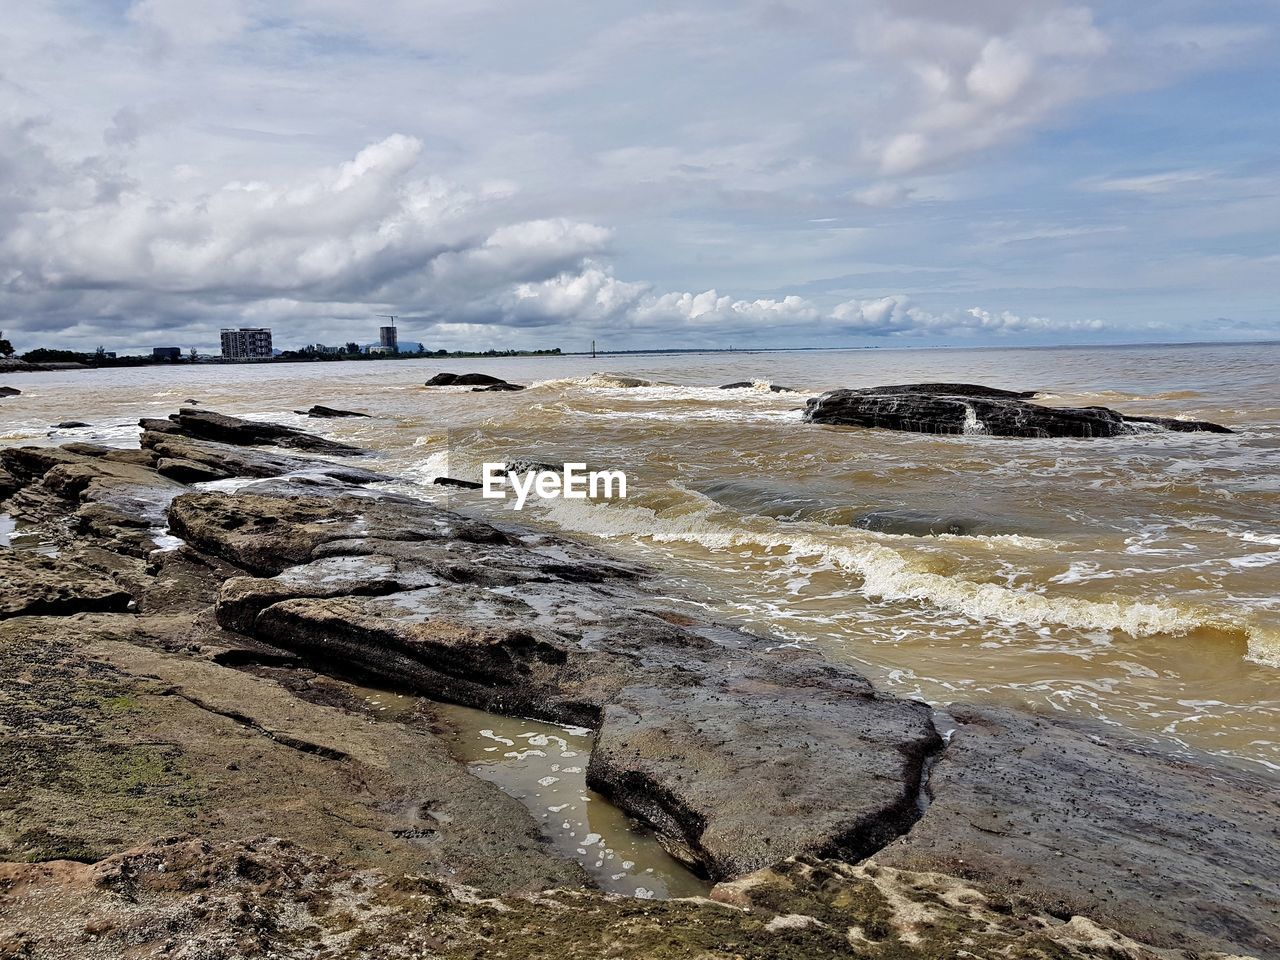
x: 101, y: 358
x: 352, y: 352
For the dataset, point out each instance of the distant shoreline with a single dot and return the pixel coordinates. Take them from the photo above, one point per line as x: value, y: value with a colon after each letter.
x: 19, y: 366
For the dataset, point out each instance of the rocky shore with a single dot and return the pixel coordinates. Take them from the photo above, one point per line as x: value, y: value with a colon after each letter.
x: 188, y: 767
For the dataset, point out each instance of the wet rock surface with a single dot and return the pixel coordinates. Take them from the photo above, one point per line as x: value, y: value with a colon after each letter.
x: 208, y: 689
x: 208, y: 425
x: 328, y: 413
x: 466, y: 612
x: 750, y: 385
x: 9, y: 391
x: 469, y: 380
x: 1071, y: 817
x: 976, y: 410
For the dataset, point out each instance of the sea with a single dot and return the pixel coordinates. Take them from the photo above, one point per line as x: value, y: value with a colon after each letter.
x: 1133, y: 580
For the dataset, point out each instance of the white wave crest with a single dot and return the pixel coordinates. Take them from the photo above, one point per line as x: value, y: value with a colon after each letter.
x: 888, y: 574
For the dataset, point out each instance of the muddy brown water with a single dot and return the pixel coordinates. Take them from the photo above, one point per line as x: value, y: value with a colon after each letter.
x: 1133, y: 580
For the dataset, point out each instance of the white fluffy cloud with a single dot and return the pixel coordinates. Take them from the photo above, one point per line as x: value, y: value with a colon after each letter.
x: 979, y: 73
x: 372, y: 234
x: 167, y: 167
x: 593, y: 295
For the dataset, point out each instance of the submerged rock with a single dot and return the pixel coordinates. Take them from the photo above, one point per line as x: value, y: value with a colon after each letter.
x: 750, y: 385
x: 918, y: 523
x: 498, y: 388
x: 322, y: 412
x: 453, y: 482
x: 70, y: 425
x: 917, y: 408
x: 9, y: 391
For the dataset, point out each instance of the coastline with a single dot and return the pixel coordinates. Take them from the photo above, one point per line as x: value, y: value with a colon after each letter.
x: 140, y: 664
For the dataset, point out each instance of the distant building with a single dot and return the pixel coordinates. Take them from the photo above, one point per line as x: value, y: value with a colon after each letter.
x: 247, y: 343
x: 166, y: 353
x: 387, y: 340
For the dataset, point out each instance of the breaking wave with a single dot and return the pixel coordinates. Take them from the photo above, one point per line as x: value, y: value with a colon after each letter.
x: 615, y: 381
x: 888, y: 574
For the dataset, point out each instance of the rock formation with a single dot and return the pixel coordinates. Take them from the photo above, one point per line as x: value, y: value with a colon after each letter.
x: 189, y: 764
x: 327, y: 413
x: 971, y: 409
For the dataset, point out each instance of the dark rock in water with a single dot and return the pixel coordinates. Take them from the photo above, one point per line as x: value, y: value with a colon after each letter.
x: 451, y: 482
x: 749, y: 384
x: 207, y: 425
x: 9, y: 391
x: 498, y: 388
x: 69, y: 425
x: 463, y: 380
x: 1069, y: 816
x: 942, y: 413
x: 949, y: 389
x: 194, y: 403
x: 329, y: 412
x: 917, y: 523
x: 782, y: 500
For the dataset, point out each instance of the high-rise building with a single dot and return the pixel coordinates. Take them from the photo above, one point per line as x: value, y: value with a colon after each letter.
x: 247, y: 343
x: 387, y: 339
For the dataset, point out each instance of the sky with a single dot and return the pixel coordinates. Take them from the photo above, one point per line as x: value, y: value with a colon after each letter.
x: 767, y: 173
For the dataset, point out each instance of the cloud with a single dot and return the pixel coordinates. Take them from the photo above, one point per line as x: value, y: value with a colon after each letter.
x: 789, y: 169
x: 595, y: 297
x: 1151, y: 183
x: 976, y: 75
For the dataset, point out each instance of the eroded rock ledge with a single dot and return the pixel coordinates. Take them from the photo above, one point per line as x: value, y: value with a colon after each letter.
x: 771, y: 769
x: 741, y: 757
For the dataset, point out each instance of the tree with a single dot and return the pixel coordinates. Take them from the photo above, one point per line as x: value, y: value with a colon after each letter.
x: 194, y: 355
x: 6, y: 348
x: 352, y: 347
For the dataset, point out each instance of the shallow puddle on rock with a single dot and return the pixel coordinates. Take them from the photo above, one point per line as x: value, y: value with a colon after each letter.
x: 14, y: 535
x: 544, y: 766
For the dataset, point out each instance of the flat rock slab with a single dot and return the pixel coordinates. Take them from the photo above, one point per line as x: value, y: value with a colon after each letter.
x: 208, y: 425
x: 985, y: 411
x: 1078, y: 822
x: 221, y: 461
x: 35, y: 585
x: 739, y: 756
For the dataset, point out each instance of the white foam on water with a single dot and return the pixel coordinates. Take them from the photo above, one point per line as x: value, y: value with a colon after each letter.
x: 888, y: 574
